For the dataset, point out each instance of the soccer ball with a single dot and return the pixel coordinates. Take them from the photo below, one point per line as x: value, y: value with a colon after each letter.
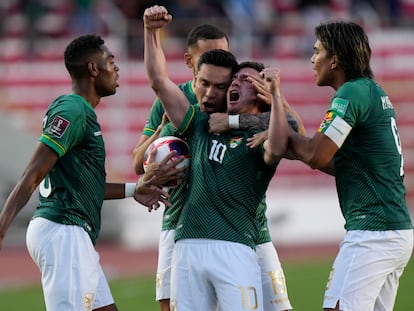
x: 164, y: 146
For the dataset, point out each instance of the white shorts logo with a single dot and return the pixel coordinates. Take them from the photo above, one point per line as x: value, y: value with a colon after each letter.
x: 88, y: 300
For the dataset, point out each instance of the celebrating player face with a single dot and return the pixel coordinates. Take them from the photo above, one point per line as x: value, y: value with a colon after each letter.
x: 242, y: 95
x: 322, y: 64
x: 211, y: 87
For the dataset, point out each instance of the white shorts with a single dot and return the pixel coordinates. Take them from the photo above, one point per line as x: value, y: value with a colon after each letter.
x: 367, y: 268
x: 210, y: 272
x: 165, y: 249
x: 72, y: 277
x: 275, y: 295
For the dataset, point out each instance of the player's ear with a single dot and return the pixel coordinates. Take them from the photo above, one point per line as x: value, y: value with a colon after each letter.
x: 187, y: 59
x: 334, y: 62
x: 93, y: 69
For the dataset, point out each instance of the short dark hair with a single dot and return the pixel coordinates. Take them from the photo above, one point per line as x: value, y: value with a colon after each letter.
x: 79, y: 51
x: 205, y: 32
x: 258, y: 66
x: 349, y: 43
x: 220, y: 58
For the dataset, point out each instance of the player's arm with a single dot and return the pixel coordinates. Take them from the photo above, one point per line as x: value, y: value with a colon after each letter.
x: 172, y: 98
x: 150, y: 130
x: 317, y: 152
x: 294, y: 118
x: 139, y: 151
x: 42, y: 161
x: 144, y: 192
x: 276, y: 144
x: 259, y: 122
x: 143, y: 144
x: 220, y: 122
x: 148, y: 190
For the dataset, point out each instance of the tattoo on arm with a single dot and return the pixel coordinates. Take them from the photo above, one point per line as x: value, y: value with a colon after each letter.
x: 254, y: 122
x: 260, y: 121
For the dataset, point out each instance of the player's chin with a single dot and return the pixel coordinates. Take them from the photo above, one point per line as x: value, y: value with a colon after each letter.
x: 113, y: 90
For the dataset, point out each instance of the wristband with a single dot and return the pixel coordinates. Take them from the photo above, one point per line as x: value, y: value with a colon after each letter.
x: 234, y: 121
x: 129, y: 189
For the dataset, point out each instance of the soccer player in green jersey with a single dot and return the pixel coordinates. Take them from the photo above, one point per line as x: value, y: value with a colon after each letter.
x: 204, y: 38
x: 68, y: 165
x: 201, y: 38
x: 224, y: 195
x: 358, y: 143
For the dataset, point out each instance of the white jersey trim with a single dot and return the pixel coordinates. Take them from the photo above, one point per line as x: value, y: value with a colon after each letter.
x: 338, y: 131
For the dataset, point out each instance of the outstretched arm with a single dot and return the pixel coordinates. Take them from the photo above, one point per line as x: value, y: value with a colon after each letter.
x: 43, y: 159
x: 172, y: 98
x: 276, y: 144
x: 317, y: 152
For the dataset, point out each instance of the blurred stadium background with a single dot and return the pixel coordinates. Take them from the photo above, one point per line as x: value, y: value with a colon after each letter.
x: 303, y: 208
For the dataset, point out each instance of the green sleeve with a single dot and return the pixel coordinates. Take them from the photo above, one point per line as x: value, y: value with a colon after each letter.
x: 64, y: 126
x: 155, y: 118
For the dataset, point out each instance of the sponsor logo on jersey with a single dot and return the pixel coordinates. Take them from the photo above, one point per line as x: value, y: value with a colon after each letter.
x: 339, y: 105
x: 235, y: 141
x: 59, y: 126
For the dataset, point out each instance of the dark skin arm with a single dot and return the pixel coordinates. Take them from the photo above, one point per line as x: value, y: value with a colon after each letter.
x: 42, y: 161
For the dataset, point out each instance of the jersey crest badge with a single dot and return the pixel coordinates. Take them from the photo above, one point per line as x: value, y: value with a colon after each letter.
x: 235, y: 141
x: 326, y: 121
x: 59, y: 126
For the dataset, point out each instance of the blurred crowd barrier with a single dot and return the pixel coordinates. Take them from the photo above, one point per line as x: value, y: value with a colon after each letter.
x: 36, y: 29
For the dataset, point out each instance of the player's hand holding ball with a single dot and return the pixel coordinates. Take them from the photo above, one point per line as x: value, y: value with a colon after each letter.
x: 168, y: 159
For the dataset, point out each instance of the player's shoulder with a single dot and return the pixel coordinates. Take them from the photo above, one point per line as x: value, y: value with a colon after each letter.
x: 71, y: 105
x: 187, y: 89
x: 356, y: 87
x: 356, y: 91
x: 186, y: 85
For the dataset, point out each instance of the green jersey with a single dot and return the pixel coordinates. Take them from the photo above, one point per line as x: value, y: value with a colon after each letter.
x: 227, y: 182
x: 369, y: 163
x: 73, y: 191
x: 178, y: 194
x: 157, y: 111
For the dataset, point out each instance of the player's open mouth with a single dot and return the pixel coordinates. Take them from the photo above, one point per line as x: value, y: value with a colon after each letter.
x: 209, y: 107
x: 234, y: 95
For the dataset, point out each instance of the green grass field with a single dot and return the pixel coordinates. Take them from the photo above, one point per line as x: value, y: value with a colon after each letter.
x: 306, y: 283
